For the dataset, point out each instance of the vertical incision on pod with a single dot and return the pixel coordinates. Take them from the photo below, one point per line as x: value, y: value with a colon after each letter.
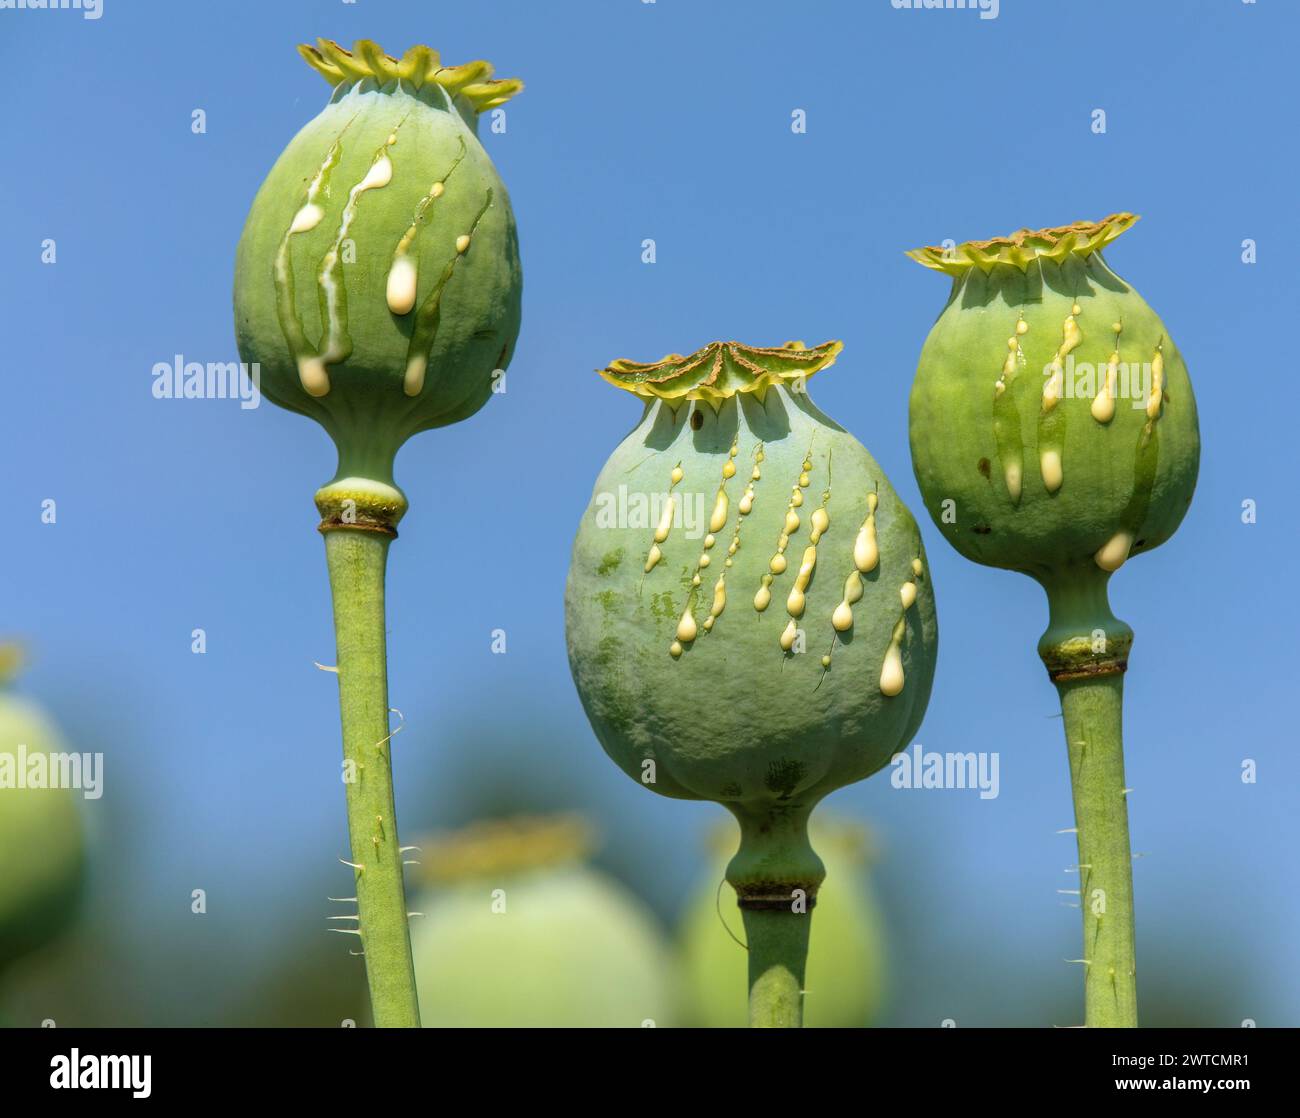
x: 866, y: 555
x: 747, y: 498
x: 717, y: 522
x: 687, y: 629
x: 427, y: 317
x: 778, y: 563
x: 892, y: 677
x: 743, y: 509
x: 665, y: 525
x: 1103, y: 405
x: 403, y: 273
x: 1006, y: 415
x: 1051, y: 419
x: 1115, y: 551
x: 819, y: 523
x: 311, y: 371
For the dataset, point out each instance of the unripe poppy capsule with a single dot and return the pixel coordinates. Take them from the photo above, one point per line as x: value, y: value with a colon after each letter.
x: 1054, y: 433
x: 377, y: 282
x: 749, y: 611
x: 517, y: 930
x: 1053, y: 426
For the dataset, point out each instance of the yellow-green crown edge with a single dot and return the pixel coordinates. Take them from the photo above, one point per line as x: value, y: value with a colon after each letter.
x: 1021, y: 248
x: 720, y: 370
x: 418, y: 66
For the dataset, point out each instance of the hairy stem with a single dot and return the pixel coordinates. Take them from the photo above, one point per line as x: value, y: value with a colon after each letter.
x: 778, y: 953
x: 356, y: 559
x: 1093, y: 712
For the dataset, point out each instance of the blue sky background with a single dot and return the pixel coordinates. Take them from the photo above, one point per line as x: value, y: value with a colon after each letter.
x: 668, y: 121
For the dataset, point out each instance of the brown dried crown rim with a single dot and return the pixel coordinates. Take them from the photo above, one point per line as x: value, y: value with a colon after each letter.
x: 418, y: 66
x: 1026, y: 245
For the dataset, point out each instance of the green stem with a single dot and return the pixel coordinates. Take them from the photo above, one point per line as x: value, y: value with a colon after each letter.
x: 1085, y: 650
x: 356, y: 559
x: 778, y: 953
x: 775, y: 873
x: 1093, y: 713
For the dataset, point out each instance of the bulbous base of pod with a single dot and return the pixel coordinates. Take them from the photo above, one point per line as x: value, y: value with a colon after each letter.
x: 846, y: 966
x: 362, y: 504
x: 1083, y: 638
x: 749, y: 615
x: 775, y: 868
x: 1052, y: 420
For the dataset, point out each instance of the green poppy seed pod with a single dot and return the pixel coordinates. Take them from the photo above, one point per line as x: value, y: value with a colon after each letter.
x: 42, y: 843
x: 377, y: 280
x: 749, y: 612
x: 517, y: 931
x: 846, y: 960
x: 1053, y: 427
x: 1054, y: 433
